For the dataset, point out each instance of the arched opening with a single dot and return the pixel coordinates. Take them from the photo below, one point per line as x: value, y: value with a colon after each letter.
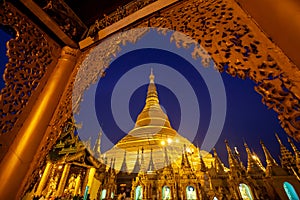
x: 103, y: 194
x: 245, y: 192
x: 191, y: 193
x: 166, y: 192
x: 290, y: 191
x: 215, y: 198
x: 138, y: 193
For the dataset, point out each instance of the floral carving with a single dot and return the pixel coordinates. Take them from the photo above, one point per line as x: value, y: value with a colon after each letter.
x: 240, y: 48
x: 31, y: 57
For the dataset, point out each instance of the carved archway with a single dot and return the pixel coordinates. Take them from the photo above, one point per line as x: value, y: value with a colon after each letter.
x: 238, y: 47
x: 233, y: 40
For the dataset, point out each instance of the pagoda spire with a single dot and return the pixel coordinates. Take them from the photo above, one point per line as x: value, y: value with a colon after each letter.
x: 152, y: 115
x: 287, y: 159
x: 269, y: 159
x: 124, y: 165
x: 143, y: 167
x: 152, y: 97
x: 253, y: 166
x: 272, y: 167
x: 167, y: 161
x: 231, y: 160
x: 97, y: 147
x: 297, y: 153
x: 185, y: 161
x: 236, y: 166
x: 114, y: 164
x: 293, y: 146
x: 203, y: 167
x: 278, y: 139
x: 151, y: 164
x: 111, y: 165
x: 137, y: 165
x: 151, y: 77
x: 218, y: 163
x: 88, y: 144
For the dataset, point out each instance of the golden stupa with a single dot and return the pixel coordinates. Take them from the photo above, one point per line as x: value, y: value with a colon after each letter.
x: 152, y: 139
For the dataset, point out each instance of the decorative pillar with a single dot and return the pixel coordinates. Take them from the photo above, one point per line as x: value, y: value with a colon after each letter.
x: 77, y: 184
x: 92, y: 172
x: 16, y: 163
x: 44, y: 179
x: 63, y: 180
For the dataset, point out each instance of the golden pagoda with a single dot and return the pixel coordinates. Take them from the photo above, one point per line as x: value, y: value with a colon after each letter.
x: 153, y: 135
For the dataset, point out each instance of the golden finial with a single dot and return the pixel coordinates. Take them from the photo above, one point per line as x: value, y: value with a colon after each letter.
x: 269, y: 159
x: 278, y: 139
x: 151, y: 77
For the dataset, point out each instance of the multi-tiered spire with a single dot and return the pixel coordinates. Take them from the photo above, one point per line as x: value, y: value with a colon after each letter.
x: 153, y: 133
x: 297, y: 154
x: 233, y: 163
x: 137, y: 165
x: 152, y: 97
x: 218, y: 163
x: 97, y: 149
x: 269, y: 159
x: 253, y: 165
x: 152, y: 114
x: 272, y: 167
x: 287, y: 159
x: 124, y: 164
x: 151, y: 166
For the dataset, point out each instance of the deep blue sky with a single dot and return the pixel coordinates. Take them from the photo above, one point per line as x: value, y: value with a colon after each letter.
x: 247, y: 119
x: 4, y: 37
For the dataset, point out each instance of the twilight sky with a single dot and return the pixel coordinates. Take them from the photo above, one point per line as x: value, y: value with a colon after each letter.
x: 246, y: 118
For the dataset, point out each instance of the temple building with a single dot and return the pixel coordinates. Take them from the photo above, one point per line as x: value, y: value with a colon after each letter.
x: 59, y: 49
x: 154, y: 162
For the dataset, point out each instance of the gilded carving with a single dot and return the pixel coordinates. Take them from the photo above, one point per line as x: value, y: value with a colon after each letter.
x: 240, y: 48
x: 31, y: 57
x: 98, y: 59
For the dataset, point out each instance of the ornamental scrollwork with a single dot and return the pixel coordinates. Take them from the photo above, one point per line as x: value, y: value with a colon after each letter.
x: 240, y: 48
x: 32, y: 57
